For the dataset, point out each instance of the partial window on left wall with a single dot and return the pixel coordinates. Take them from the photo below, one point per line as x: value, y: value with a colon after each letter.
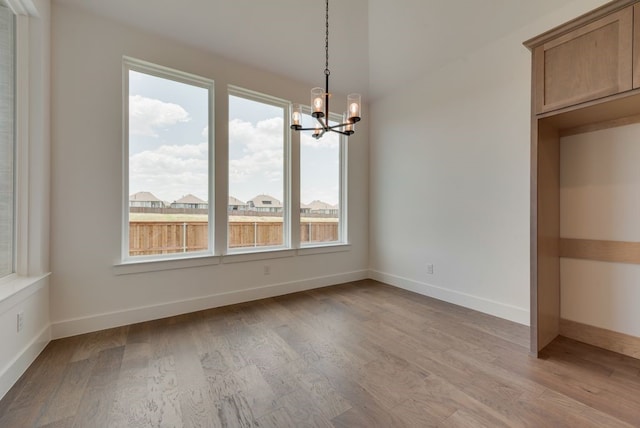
x: 7, y: 140
x: 168, y: 163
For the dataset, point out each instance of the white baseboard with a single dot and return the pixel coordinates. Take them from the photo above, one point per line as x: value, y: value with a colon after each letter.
x: 72, y: 327
x: 12, y: 372
x: 480, y: 304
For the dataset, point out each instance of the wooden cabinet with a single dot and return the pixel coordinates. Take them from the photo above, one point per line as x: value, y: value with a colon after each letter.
x: 585, y: 76
x: 590, y: 62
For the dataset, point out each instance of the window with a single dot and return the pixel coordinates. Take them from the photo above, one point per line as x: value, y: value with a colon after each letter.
x: 321, y: 186
x: 7, y: 141
x: 258, y: 171
x: 168, y: 162
x: 168, y: 171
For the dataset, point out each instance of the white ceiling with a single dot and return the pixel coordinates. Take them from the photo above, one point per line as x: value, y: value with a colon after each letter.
x: 374, y: 45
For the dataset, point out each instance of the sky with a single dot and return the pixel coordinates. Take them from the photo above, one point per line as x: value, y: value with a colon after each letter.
x: 168, y: 149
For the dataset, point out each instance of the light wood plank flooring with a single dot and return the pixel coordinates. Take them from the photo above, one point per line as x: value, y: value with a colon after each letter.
x: 356, y: 355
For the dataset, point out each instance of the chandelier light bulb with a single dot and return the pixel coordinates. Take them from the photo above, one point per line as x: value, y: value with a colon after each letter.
x: 353, y: 101
x: 317, y: 102
x: 296, y: 117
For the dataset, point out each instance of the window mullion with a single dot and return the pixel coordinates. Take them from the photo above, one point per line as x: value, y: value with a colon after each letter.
x: 294, y: 194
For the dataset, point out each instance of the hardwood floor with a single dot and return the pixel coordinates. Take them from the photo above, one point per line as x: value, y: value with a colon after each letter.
x: 356, y: 355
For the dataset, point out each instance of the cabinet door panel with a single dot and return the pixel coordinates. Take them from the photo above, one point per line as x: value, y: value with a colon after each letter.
x: 590, y: 62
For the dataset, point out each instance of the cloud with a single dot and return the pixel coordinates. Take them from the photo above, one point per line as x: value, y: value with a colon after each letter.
x: 171, y: 171
x: 262, y: 151
x: 205, y: 131
x: 146, y: 115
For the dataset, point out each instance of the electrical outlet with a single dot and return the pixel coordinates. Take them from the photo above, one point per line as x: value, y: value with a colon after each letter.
x: 430, y: 269
x: 267, y: 270
x: 20, y: 321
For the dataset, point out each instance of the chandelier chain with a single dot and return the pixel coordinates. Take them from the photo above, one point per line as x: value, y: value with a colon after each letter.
x: 320, y: 103
x: 326, y: 40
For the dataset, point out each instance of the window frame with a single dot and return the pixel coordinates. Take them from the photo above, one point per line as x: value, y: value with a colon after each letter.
x: 19, y: 138
x: 137, y: 65
x: 240, y: 92
x: 343, y: 237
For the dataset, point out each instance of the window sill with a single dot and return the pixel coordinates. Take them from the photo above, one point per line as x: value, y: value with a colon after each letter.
x: 16, y: 288
x: 323, y: 249
x: 248, y: 256
x: 142, y: 266
x: 241, y: 256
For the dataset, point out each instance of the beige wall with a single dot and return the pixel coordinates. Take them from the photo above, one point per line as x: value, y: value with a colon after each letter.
x: 28, y: 294
x: 600, y: 199
x: 453, y: 148
x: 86, y: 293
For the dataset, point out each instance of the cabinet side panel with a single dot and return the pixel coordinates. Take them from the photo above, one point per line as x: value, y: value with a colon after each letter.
x: 548, y: 252
x: 636, y: 46
x: 533, y: 329
x: 538, y: 80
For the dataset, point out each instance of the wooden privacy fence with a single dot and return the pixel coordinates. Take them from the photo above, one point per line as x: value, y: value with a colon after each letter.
x: 146, y: 238
x: 150, y: 237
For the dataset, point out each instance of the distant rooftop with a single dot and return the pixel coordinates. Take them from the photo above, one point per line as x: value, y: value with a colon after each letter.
x: 144, y: 197
x: 262, y: 201
x: 320, y: 205
x: 190, y: 199
x: 236, y: 201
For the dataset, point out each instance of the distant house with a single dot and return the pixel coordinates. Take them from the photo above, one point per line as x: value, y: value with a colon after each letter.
x: 190, y: 201
x: 319, y: 207
x: 145, y: 200
x: 236, y: 204
x: 265, y: 203
x: 304, y: 208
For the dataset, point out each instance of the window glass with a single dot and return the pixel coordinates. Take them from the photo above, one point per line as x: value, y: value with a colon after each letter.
x: 320, y: 186
x: 257, y: 198
x: 168, y: 164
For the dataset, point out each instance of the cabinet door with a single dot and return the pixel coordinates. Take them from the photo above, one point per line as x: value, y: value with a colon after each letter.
x: 585, y: 64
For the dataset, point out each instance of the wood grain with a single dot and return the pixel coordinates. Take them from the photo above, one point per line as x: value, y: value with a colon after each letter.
x: 580, y: 21
x: 605, y: 251
x: 636, y: 46
x: 588, y: 63
x: 585, y: 77
x: 357, y: 354
x: 548, y: 235
x: 598, y: 126
x: 603, y: 338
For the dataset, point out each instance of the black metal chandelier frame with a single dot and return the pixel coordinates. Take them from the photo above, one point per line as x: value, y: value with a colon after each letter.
x: 320, y: 102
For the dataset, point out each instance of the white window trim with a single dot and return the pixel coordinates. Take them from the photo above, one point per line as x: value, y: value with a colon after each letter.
x: 23, y: 7
x: 21, y: 235
x: 343, y: 237
x: 250, y: 256
x: 134, y: 64
x: 22, y: 282
x: 142, y: 266
x: 248, y: 94
x: 332, y: 247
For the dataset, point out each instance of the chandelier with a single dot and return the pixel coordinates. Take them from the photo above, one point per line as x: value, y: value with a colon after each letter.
x: 320, y: 103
